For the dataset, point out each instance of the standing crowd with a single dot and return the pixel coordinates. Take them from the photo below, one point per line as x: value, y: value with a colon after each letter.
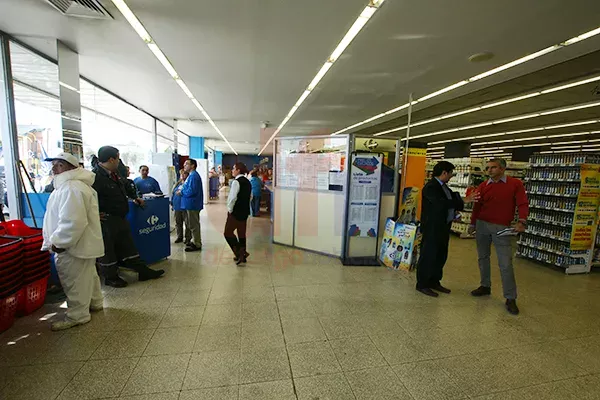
x: 85, y: 224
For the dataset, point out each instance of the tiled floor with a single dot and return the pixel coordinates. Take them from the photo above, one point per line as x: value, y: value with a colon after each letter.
x: 294, y: 325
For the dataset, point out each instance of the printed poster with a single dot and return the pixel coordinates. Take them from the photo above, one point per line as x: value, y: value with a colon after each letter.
x: 586, y: 209
x: 365, y: 194
x: 410, y: 205
x: 398, y: 245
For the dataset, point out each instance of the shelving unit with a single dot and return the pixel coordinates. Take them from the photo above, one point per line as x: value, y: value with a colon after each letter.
x: 552, y: 183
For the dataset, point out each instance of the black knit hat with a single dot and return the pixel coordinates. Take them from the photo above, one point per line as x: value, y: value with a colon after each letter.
x: 105, y: 153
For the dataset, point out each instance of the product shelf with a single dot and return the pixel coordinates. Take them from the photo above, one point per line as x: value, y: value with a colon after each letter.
x: 571, y: 196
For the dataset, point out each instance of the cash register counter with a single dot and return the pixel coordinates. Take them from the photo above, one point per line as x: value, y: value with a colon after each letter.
x: 150, y: 226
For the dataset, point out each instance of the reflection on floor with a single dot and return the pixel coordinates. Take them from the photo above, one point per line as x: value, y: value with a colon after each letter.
x: 294, y: 325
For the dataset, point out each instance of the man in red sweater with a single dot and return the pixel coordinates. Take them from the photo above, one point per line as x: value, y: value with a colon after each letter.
x: 499, y: 197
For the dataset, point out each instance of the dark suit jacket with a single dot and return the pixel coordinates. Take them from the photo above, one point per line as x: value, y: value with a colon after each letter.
x: 435, y: 206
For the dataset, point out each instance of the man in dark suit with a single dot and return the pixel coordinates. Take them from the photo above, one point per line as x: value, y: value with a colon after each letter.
x: 440, y: 206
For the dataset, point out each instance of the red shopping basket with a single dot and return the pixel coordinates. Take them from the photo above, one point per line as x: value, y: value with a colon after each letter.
x: 8, y: 310
x: 32, y: 295
x: 18, y: 228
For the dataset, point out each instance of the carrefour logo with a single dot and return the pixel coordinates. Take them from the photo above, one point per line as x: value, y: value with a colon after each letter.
x: 153, y: 221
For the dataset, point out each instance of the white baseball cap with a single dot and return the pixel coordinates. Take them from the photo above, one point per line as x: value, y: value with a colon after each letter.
x: 68, y: 157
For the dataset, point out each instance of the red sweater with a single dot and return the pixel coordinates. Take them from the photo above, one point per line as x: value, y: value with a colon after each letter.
x: 498, y: 202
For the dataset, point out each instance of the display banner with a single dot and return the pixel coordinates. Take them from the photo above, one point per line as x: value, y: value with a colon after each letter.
x: 586, y: 209
x: 365, y: 194
x: 410, y: 205
x: 398, y: 247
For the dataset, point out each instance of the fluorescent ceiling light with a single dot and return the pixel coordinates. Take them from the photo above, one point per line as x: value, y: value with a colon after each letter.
x: 501, y: 68
x: 570, y: 85
x: 185, y: 89
x: 515, y: 118
x: 163, y: 60
x: 444, y: 90
x: 133, y: 21
x: 354, y: 30
x: 160, y: 56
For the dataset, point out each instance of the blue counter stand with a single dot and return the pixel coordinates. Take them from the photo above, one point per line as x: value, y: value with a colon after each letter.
x: 150, y: 227
x: 38, y: 203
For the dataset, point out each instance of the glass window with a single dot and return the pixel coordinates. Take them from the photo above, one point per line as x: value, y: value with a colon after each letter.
x: 37, y: 109
x: 99, y: 130
x: 107, y: 120
x: 183, y: 146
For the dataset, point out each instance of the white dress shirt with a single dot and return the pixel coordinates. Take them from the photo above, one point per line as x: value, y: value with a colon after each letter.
x: 234, y: 190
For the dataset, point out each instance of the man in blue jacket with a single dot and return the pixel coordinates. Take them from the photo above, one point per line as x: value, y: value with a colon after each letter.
x: 192, y: 201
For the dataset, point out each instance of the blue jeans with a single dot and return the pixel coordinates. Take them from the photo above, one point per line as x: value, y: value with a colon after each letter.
x: 255, y: 206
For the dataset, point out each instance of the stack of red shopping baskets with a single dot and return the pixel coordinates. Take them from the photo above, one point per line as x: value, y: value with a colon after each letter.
x: 11, y: 279
x: 34, y: 265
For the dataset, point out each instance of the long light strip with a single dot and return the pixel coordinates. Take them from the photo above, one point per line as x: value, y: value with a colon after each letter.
x: 354, y: 30
x: 493, y: 71
x: 505, y: 120
x: 541, y: 128
x: 162, y: 58
x: 489, y: 105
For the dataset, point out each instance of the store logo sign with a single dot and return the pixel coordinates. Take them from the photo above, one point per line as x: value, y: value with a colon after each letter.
x: 366, y: 165
x: 153, y: 221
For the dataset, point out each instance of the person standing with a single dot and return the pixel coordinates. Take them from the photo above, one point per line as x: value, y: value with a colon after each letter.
x: 114, y: 207
x: 180, y: 214
x: 192, y: 202
x: 440, y: 206
x: 238, y: 209
x: 495, y: 211
x: 256, y: 194
x: 72, y: 231
x: 145, y: 183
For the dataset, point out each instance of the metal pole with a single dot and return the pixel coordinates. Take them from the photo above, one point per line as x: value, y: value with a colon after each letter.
x: 8, y: 128
x: 405, y: 153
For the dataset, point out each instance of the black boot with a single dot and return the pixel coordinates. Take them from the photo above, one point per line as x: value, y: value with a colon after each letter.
x: 112, y: 278
x: 144, y: 273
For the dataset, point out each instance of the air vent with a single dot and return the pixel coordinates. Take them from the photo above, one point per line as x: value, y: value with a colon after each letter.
x: 80, y: 8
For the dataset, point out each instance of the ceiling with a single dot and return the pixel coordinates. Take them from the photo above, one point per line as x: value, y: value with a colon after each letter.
x: 248, y: 61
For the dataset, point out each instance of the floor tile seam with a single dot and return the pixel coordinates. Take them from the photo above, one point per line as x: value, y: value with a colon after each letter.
x: 70, y: 380
x: 287, y: 353
x: 393, y: 372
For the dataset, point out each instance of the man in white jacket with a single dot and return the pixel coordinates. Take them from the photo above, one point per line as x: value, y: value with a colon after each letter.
x: 72, y: 231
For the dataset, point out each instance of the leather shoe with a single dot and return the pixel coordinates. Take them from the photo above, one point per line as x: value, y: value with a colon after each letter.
x: 428, y: 292
x: 117, y: 282
x: 150, y: 274
x: 246, y: 255
x: 192, y: 247
x: 511, y: 306
x: 481, y: 291
x: 179, y: 240
x: 441, y: 289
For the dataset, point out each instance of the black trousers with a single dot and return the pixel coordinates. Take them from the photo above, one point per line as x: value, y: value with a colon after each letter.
x: 434, y: 253
x: 119, y: 247
x: 237, y: 244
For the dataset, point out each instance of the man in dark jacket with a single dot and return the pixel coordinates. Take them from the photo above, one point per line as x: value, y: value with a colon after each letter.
x: 113, y: 205
x: 440, y: 206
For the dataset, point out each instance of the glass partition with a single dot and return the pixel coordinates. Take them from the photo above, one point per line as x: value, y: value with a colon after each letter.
x: 37, y: 112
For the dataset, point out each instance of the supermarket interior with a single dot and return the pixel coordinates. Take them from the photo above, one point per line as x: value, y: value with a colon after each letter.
x: 345, y: 125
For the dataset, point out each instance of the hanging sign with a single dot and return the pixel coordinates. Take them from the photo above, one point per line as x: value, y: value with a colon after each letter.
x: 365, y: 195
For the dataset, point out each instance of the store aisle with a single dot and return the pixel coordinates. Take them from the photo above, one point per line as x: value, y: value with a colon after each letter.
x: 294, y: 325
